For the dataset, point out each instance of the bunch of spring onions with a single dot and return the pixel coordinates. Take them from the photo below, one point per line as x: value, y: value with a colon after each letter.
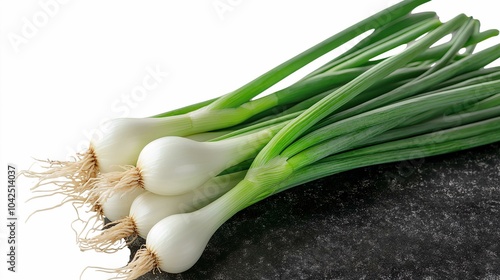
x: 175, y: 178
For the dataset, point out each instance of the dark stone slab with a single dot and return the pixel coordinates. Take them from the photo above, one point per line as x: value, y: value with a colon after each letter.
x: 432, y: 218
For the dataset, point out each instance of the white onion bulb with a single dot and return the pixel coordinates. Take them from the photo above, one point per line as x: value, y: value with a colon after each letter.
x: 120, y: 141
x: 176, y: 165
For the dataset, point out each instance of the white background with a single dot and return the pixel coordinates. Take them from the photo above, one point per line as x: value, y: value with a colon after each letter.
x: 84, y: 59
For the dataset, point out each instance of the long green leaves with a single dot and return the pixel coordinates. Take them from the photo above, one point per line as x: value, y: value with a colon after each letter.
x: 336, y: 99
x: 446, y: 141
x: 392, y: 114
x: 246, y: 92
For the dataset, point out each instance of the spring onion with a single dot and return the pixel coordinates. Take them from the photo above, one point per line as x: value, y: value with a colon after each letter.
x: 148, y: 208
x: 174, y: 178
x: 105, y: 152
x: 176, y: 165
x: 175, y: 243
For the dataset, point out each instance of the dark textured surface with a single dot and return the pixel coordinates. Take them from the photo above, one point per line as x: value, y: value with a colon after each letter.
x: 432, y: 218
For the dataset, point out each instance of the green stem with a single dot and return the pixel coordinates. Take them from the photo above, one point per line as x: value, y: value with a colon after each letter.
x: 396, y: 79
x: 276, y: 122
x: 332, y: 102
x: 374, y: 39
x: 487, y: 103
x: 438, y: 51
x: 340, y: 163
x: 303, y: 89
x: 441, y: 136
x: 476, y: 74
x: 457, y: 42
x: 340, y: 143
x: 392, y: 113
x: 440, y: 123
x: 185, y: 110
x: 470, y: 63
x: 250, y: 90
x: 487, y: 109
x: 390, y: 42
x: 389, y: 29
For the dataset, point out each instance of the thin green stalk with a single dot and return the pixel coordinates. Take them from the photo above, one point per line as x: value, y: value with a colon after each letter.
x: 446, y: 135
x: 477, y: 38
x: 312, y: 86
x: 275, y: 104
x: 371, y: 93
x: 468, y: 50
x: 467, y: 64
x: 438, y: 51
x: 294, y: 93
x: 457, y: 42
x: 278, y: 122
x: 392, y: 41
x: 185, y: 109
x: 440, y: 123
x: 340, y: 143
x: 255, y: 87
x: 465, y: 77
x: 375, y: 39
x: 387, y: 84
x: 293, y: 112
x: 332, y: 102
x: 487, y: 103
x: 389, y: 29
x: 483, y: 110
x: 494, y: 76
x: 457, y: 108
x: 344, y: 162
x: 392, y: 113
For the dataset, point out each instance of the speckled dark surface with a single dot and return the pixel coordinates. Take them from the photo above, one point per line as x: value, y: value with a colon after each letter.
x: 433, y: 218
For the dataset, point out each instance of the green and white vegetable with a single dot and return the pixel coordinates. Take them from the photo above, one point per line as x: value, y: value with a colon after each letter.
x: 137, y: 218
x: 176, y: 177
x: 176, y: 165
x: 176, y: 243
x: 105, y: 152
